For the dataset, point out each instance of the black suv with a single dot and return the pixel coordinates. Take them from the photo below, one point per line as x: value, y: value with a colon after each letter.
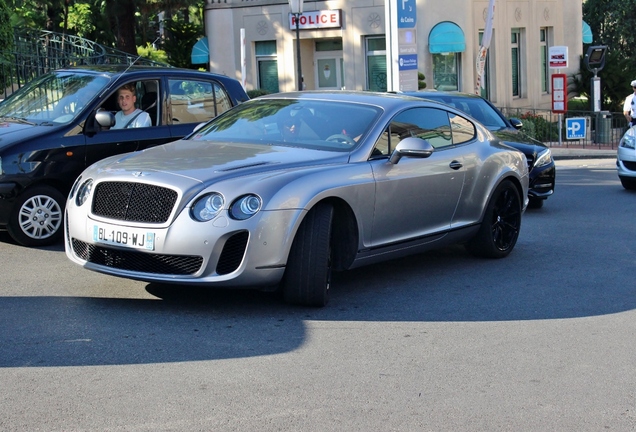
x: 541, y: 167
x: 60, y: 123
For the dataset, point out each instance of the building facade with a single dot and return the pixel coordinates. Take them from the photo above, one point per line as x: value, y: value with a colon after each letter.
x: 343, y: 45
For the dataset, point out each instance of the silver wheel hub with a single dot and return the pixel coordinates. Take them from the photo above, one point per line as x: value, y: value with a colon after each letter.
x: 40, y: 217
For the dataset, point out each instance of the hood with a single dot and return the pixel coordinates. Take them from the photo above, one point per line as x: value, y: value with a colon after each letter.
x: 203, y: 161
x: 520, y: 141
x: 12, y: 132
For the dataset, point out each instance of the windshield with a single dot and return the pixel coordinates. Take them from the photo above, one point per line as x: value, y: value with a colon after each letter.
x: 56, y: 98
x: 315, y: 124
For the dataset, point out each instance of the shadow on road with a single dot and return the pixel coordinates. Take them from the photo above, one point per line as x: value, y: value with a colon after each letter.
x: 570, y: 262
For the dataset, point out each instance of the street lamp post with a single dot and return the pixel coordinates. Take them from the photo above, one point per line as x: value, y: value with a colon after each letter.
x: 296, y: 7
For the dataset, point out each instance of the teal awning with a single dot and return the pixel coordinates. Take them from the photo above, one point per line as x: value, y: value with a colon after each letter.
x: 200, y: 52
x: 446, y: 37
x: 587, y: 33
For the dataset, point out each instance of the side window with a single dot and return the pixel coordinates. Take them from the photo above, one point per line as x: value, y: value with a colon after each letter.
x: 430, y: 124
x: 197, y: 101
x: 462, y: 129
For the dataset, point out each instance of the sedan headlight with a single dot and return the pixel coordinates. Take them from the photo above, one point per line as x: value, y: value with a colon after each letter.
x: 245, y: 207
x: 628, y: 140
x: 543, y: 158
x: 83, y: 192
x: 208, y: 207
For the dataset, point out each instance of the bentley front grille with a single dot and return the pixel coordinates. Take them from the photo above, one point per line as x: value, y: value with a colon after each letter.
x: 133, y: 202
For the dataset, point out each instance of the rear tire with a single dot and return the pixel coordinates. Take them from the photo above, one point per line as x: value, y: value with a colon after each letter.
x: 308, y: 273
x: 499, y: 230
x: 36, y: 219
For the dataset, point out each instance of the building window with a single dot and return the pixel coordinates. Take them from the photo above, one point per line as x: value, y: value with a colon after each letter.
x: 446, y: 71
x: 543, y: 48
x: 376, y: 63
x: 267, y: 66
x: 515, y: 40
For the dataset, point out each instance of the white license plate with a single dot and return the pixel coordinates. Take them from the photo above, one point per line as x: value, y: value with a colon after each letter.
x: 128, y: 237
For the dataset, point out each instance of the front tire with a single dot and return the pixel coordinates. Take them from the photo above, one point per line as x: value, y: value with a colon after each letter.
x: 308, y: 273
x: 500, y: 227
x: 37, y: 217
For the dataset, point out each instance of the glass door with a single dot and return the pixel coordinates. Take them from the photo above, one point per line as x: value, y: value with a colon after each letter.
x: 329, y: 73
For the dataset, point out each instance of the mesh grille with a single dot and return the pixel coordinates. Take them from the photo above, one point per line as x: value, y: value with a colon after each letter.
x: 133, y: 202
x: 630, y: 165
x: 137, y: 261
x: 232, y: 254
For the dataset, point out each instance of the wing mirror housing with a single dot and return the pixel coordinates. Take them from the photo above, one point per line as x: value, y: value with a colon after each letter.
x: 411, y: 147
x: 105, y: 118
x: 516, y: 123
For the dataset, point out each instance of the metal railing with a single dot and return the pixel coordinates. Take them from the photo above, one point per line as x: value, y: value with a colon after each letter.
x: 603, y: 130
x: 39, y: 51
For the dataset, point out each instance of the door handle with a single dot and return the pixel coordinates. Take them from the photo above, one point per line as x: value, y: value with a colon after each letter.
x: 455, y: 165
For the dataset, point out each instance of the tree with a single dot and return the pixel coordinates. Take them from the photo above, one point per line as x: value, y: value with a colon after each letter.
x: 181, y: 38
x: 6, y: 42
x: 612, y: 23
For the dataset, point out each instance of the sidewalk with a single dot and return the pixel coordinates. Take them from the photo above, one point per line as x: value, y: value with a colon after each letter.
x: 582, y: 153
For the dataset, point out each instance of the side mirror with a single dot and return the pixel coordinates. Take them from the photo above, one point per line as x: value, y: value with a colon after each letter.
x: 411, y: 147
x: 516, y: 123
x: 105, y: 118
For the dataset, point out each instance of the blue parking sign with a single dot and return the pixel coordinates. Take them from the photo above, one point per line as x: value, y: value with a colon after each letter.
x: 575, y: 128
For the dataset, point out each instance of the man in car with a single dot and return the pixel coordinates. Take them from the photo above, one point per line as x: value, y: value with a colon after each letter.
x: 130, y: 116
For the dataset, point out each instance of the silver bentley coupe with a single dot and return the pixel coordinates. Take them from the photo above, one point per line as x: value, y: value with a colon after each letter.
x: 281, y: 190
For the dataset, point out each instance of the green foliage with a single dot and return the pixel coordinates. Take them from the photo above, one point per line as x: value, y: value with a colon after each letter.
x: 152, y: 53
x: 6, y: 42
x: 256, y: 93
x: 579, y: 104
x: 538, y: 127
x: 420, y: 81
x: 181, y: 38
x: 80, y: 19
x: 612, y: 23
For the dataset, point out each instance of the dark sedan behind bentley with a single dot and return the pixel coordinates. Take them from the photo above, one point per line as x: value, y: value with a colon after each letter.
x: 541, y: 167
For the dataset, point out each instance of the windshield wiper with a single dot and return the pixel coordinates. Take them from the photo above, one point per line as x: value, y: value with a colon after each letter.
x: 18, y: 120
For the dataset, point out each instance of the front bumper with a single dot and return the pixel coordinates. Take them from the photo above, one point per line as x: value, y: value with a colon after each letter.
x: 220, y: 253
x: 626, y: 162
x: 542, y: 181
x: 8, y: 192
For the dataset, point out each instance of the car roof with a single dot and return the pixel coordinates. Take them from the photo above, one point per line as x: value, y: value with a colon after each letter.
x: 374, y: 98
x: 140, y: 72
x: 119, y: 69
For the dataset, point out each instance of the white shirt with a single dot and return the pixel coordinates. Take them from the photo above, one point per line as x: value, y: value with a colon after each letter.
x: 630, y: 105
x: 142, y: 120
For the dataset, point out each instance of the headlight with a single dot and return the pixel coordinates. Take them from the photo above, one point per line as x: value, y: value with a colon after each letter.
x: 245, y: 207
x: 543, y: 158
x: 83, y: 192
x: 74, y: 188
x: 628, y: 141
x: 208, y: 207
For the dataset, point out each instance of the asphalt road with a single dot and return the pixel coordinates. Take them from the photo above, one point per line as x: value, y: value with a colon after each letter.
x: 540, y: 341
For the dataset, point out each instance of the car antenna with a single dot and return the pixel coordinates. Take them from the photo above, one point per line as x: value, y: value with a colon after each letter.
x: 107, y: 89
